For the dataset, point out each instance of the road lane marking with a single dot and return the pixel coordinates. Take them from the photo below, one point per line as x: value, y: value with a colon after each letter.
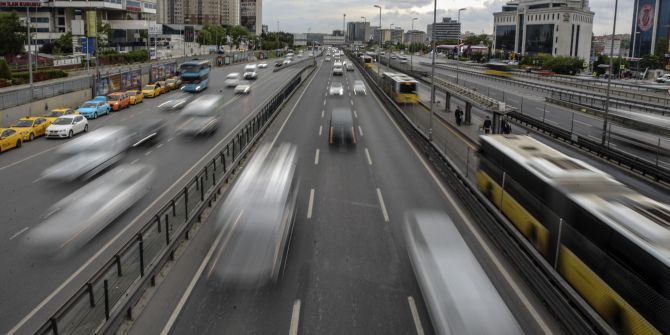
x: 18, y: 233
x: 351, y: 101
x: 135, y: 161
x: 159, y: 145
x: 295, y: 318
x: 323, y: 112
x: 584, y: 123
x: 551, y: 122
x: 169, y: 139
x: 381, y: 203
x: 38, y: 180
x: 367, y: 154
x: 360, y: 131
x: 595, y: 138
x: 542, y: 110
x: 148, y: 153
x: 324, y: 102
x: 316, y: 157
x: 355, y: 114
x: 310, y: 206
x: 27, y: 158
x: 415, y: 315
x: 320, y: 130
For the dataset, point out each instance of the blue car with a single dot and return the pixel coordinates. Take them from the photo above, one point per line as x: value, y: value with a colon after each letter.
x: 93, y: 108
x: 100, y: 98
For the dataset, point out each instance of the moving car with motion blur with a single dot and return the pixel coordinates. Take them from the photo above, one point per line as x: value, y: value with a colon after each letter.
x: 118, y: 101
x: 151, y: 91
x: 76, y: 219
x: 135, y: 97
x: 58, y: 112
x: 350, y: 66
x: 232, y: 79
x: 336, y: 88
x: 9, y: 138
x: 257, y: 219
x: 173, y: 105
x: 202, y: 115
x: 341, y: 128
x: 92, y: 109
x: 30, y: 127
x: 337, y: 69
x: 244, y: 87
x: 359, y: 88
x: 89, y: 155
x: 460, y: 297
x: 250, y: 71
x: 146, y: 131
x: 328, y: 59
x: 262, y: 65
x: 67, y: 126
x: 279, y: 64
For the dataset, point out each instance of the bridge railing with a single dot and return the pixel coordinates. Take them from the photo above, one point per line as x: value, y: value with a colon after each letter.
x: 116, y: 287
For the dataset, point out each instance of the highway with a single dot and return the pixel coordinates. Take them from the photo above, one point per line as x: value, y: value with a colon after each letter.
x: 347, y: 270
x: 30, y: 282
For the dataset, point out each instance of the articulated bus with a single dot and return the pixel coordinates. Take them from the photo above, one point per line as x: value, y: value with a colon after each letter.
x: 610, y: 243
x: 498, y: 70
x: 367, y: 60
x: 400, y: 87
x: 195, y: 75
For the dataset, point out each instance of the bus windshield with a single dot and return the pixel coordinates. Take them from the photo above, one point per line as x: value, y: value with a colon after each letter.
x: 407, y: 87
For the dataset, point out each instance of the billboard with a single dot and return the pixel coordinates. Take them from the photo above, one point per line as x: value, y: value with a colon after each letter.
x: 91, y: 24
x: 644, y: 26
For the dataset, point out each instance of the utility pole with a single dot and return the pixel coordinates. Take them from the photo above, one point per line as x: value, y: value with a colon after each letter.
x: 30, y: 52
x: 381, y: 37
x: 432, y: 74
x: 609, y: 78
x: 344, y: 33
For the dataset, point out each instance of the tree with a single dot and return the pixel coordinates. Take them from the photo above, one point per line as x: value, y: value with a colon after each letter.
x: 12, y: 34
x: 63, y: 45
x: 661, y: 47
x: 104, y: 33
x: 212, y: 35
x: 238, y: 34
x: 5, y: 73
x: 651, y: 61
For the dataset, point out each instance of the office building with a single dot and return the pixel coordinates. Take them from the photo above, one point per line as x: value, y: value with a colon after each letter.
x: 651, y: 22
x: 299, y: 39
x: 389, y: 36
x: 414, y: 36
x: 359, y: 32
x: 447, y: 30
x: 333, y: 39
x: 251, y: 15
x: 265, y: 29
x: 543, y: 26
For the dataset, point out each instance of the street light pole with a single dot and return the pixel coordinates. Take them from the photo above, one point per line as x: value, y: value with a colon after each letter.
x: 379, y: 56
x: 432, y: 74
x: 365, y: 30
x: 411, y: 41
x: 30, y: 52
x: 458, y: 60
x: 344, y: 33
x: 609, y: 78
x: 388, y: 64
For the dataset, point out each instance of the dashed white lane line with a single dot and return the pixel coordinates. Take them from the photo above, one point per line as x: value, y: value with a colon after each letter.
x: 295, y: 318
x: 159, y: 145
x: 316, y: 157
x: 584, y: 123
x: 148, y: 153
x: 415, y: 315
x: 18, y: 233
x: 310, y: 206
x: 351, y: 101
x: 324, y: 102
x: 360, y: 131
x: 367, y: 154
x: 551, y: 122
x: 355, y: 114
x: 595, y: 138
x: 169, y: 139
x: 543, y: 110
x: 383, y: 206
x: 323, y: 112
x: 27, y: 158
x: 135, y: 161
x: 320, y: 130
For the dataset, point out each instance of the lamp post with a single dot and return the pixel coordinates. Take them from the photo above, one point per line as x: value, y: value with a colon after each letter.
x: 432, y: 74
x: 458, y: 60
x: 388, y: 64
x: 411, y: 41
x: 609, y: 78
x: 30, y: 52
x: 379, y: 58
x: 344, y: 17
x: 365, y: 30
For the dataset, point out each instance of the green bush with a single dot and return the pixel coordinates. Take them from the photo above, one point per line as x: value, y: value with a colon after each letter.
x: 110, y: 57
x: 22, y: 77
x: 5, y: 72
x: 564, y: 65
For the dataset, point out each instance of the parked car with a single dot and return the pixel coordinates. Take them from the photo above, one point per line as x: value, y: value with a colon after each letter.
x: 92, y: 109
x: 135, y: 97
x: 243, y: 87
x: 58, y: 112
x: 171, y: 83
x: 232, y: 79
x: 67, y: 126
x: 118, y: 101
x: 151, y: 91
x: 9, y: 138
x: 100, y: 98
x: 163, y: 86
x: 30, y: 127
x: 663, y: 79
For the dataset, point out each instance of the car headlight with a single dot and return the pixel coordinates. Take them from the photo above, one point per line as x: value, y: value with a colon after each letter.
x: 197, y: 88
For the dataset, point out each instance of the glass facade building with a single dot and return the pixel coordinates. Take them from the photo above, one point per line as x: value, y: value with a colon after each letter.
x: 505, y: 37
x: 539, y: 38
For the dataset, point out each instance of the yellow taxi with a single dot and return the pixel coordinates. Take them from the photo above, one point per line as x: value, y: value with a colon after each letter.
x: 151, y: 91
x: 9, y: 138
x: 171, y: 83
x: 58, y: 112
x: 135, y: 97
x: 163, y: 86
x: 31, y: 127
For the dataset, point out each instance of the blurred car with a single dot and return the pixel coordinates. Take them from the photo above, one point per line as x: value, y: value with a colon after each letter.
x: 92, y: 109
x: 151, y: 91
x: 232, y: 79
x: 58, y: 112
x: 359, y: 87
x: 341, y: 127
x: 664, y: 78
x: 201, y: 116
x: 262, y: 65
x: 173, y: 105
x: 73, y: 221
x: 336, y: 88
x: 286, y: 61
x: 146, y: 131
x: 100, y: 98
x: 89, y: 155
x: 177, y: 81
x: 171, y: 83
x: 404, y: 60
x: 67, y: 126
x: 459, y: 296
x: 163, y: 86
x: 30, y: 127
x: 328, y: 59
x: 279, y: 63
x: 257, y: 219
x: 135, y: 97
x: 9, y: 138
x: 244, y: 87
x: 250, y: 72
x: 350, y: 66
x: 118, y: 100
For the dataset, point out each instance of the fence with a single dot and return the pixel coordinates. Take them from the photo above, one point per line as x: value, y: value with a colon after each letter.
x: 23, y: 94
x: 114, y: 289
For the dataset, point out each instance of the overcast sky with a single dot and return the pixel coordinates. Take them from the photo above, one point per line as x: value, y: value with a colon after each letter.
x: 326, y: 15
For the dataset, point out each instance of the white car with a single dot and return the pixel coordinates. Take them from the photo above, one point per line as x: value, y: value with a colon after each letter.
x: 67, y: 126
x: 262, y: 65
x: 336, y: 88
x: 359, y: 87
x: 250, y: 68
x: 243, y: 88
x: 232, y: 79
x: 663, y: 79
x: 250, y: 75
x: 327, y: 58
x: 286, y: 61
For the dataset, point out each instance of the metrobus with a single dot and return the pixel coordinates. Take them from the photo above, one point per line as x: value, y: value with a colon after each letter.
x: 195, y: 75
x: 607, y: 241
x: 367, y: 60
x: 400, y: 87
x: 498, y: 69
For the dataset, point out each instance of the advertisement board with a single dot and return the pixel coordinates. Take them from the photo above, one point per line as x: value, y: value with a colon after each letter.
x: 91, y: 24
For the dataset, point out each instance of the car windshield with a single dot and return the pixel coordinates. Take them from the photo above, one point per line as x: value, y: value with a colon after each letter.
x: 89, y: 105
x: 63, y: 121
x: 114, y: 97
x: 24, y: 123
x: 54, y: 114
x: 336, y: 85
x: 149, y: 87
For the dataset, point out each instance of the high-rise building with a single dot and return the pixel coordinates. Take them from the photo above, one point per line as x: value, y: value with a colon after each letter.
x: 448, y: 29
x: 359, y: 32
x: 651, y: 22
x: 414, y: 36
x: 251, y: 15
x: 536, y: 26
x: 230, y: 12
x: 265, y: 28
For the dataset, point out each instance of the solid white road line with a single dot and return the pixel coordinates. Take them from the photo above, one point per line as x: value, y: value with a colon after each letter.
x: 367, y: 154
x: 148, y: 153
x: 352, y: 102
x: 27, y: 158
x: 320, y: 130
x: 595, y: 138
x: 135, y: 161
x: 18, y: 233
x: 159, y: 145
x: 316, y: 157
x: 360, y: 130
x: 415, y: 315
x: 383, y: 206
x: 584, y: 123
x: 310, y: 206
x: 295, y: 318
x: 551, y: 122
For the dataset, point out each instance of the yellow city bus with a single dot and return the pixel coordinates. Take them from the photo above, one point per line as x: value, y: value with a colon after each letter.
x: 367, y: 60
x: 400, y: 87
x: 498, y: 70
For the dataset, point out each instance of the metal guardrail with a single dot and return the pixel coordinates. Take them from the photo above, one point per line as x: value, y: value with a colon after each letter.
x: 22, y: 94
x: 559, y: 297
x: 99, y: 304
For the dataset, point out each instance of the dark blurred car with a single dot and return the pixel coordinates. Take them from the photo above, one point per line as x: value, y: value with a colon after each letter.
x: 201, y: 116
x: 342, y: 127
x: 173, y: 105
x: 279, y: 63
x: 147, y: 131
